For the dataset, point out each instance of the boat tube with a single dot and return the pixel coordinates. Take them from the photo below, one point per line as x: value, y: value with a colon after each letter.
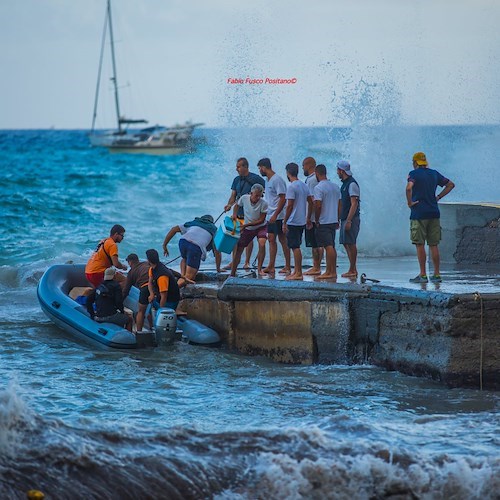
x: 53, y: 294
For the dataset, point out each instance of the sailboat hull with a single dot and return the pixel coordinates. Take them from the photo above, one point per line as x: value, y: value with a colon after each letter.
x: 151, y: 150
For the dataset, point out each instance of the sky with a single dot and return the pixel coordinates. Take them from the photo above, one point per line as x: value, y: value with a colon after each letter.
x: 370, y: 61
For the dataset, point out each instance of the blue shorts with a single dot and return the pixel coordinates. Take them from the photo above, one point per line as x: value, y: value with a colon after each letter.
x: 191, y: 253
x: 349, y: 237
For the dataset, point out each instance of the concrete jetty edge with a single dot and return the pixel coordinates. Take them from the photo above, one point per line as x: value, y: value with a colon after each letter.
x: 452, y: 338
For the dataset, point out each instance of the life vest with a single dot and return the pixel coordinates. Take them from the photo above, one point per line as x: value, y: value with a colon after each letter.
x: 173, y: 293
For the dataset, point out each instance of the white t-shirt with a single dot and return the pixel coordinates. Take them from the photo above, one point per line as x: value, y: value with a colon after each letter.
x: 253, y: 212
x: 329, y: 194
x: 197, y: 235
x: 298, y: 192
x: 274, y: 187
x: 311, y: 183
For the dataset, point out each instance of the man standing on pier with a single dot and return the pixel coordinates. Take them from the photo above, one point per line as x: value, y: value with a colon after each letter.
x: 274, y: 194
x: 254, y: 225
x: 349, y: 216
x: 299, y: 204
x: 425, y: 216
x: 309, y: 168
x: 326, y: 206
x: 242, y: 184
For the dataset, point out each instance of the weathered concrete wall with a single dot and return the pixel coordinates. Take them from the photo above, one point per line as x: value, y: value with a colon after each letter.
x: 256, y: 317
x: 435, y: 335
x: 471, y: 232
x: 417, y: 332
x: 274, y: 329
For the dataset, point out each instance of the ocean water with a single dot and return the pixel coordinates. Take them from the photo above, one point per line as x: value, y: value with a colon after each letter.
x: 77, y: 421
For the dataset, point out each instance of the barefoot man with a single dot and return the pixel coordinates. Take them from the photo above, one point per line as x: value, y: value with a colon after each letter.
x: 299, y: 199
x: 241, y: 185
x: 349, y: 216
x: 255, y: 210
x: 275, y: 196
x: 196, y: 240
x: 309, y: 169
x: 326, y: 208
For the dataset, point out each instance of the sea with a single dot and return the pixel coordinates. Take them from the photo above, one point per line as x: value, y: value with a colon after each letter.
x: 190, y: 422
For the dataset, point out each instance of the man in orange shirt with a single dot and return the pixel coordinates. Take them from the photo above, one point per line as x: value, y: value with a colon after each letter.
x: 104, y: 256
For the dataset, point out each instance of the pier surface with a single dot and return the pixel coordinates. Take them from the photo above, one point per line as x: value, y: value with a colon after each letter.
x: 447, y: 331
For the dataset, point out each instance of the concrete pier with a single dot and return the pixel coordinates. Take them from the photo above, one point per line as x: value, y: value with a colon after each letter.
x: 450, y: 337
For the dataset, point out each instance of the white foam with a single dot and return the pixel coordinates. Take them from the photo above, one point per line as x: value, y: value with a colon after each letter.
x: 14, y: 416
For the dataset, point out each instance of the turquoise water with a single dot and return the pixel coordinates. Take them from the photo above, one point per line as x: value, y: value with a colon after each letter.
x: 189, y: 422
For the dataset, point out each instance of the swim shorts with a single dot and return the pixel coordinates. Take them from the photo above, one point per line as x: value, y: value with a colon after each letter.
x: 191, y: 253
x: 247, y: 235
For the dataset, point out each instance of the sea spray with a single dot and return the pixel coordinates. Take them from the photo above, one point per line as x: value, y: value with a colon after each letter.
x: 15, y: 418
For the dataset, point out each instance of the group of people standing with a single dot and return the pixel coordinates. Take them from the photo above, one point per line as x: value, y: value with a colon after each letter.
x: 269, y: 210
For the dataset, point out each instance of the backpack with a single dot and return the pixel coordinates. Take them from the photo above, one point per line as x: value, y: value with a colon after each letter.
x: 103, y: 291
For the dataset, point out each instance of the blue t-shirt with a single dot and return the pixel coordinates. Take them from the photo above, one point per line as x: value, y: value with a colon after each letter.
x: 243, y: 185
x: 425, y: 181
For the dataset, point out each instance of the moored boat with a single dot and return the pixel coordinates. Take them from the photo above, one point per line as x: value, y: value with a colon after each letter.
x: 176, y: 139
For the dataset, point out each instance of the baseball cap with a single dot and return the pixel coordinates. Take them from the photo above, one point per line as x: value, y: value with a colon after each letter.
x: 345, y: 166
x: 109, y: 274
x: 264, y: 162
x: 420, y: 159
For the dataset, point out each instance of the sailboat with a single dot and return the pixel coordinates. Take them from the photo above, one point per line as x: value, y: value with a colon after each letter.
x: 157, y: 139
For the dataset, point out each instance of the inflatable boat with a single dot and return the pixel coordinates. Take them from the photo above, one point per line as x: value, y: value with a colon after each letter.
x: 61, y: 289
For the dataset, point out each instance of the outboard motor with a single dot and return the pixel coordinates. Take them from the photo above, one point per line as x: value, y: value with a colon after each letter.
x: 165, y: 326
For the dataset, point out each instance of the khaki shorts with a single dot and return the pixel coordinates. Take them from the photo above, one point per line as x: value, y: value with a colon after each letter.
x: 425, y: 230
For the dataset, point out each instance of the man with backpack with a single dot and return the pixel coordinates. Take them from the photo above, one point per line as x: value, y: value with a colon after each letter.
x: 108, y: 300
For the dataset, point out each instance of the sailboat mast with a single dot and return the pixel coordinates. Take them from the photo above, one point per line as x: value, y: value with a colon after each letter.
x: 115, y: 78
x: 98, y: 84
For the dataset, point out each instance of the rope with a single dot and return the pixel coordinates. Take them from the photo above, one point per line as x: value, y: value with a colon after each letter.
x: 170, y: 261
x: 223, y: 212
x: 477, y: 296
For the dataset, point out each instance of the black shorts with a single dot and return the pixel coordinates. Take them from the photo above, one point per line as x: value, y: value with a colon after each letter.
x: 311, y: 238
x: 325, y: 235
x: 294, y: 236
x: 144, y: 295
x: 275, y: 228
